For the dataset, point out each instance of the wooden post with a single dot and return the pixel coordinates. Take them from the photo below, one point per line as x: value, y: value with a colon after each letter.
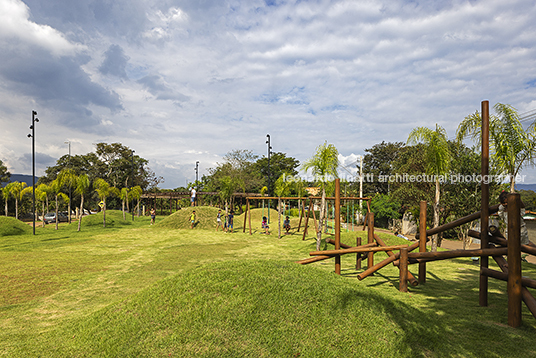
x: 370, y: 261
x: 514, y: 260
x: 306, y: 221
x: 302, y: 212
x: 248, y: 208
x: 358, y: 256
x: 246, y: 216
x: 422, y: 240
x: 484, y: 205
x: 337, y: 224
x: 403, y: 284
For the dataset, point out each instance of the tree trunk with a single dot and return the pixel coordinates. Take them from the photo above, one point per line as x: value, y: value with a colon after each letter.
x: 56, y: 212
x: 81, y: 211
x: 435, y: 239
x: 104, y: 213
x: 279, y: 217
x: 512, y: 184
x: 16, y: 208
x: 43, y: 209
x: 321, y: 220
x: 6, y: 206
x: 123, y: 209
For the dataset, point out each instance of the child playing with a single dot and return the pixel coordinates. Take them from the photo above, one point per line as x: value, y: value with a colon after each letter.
x: 192, y: 220
x: 230, y: 222
x: 286, y: 224
x: 218, y: 221
x: 153, y: 215
x: 503, y: 214
x: 265, y: 225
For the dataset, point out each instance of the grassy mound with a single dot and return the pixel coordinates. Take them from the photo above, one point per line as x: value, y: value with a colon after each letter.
x: 205, y: 218
x: 114, y: 218
x: 253, y: 309
x: 11, y: 226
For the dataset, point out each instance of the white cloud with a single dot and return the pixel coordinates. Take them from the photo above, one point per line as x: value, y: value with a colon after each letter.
x: 15, y: 25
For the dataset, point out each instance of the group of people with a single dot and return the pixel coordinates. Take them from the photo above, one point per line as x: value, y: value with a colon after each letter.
x: 225, y: 221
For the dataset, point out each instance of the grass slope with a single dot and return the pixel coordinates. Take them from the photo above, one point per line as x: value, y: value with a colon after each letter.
x: 254, y: 308
x: 11, y: 226
x: 114, y: 218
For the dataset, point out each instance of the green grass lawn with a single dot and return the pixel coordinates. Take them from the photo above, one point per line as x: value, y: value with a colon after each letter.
x: 136, y: 290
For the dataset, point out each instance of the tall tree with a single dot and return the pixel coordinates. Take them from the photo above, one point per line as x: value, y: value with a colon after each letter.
x: 378, y: 163
x: 135, y: 193
x: 438, y: 158
x: 16, y: 190
x: 4, y: 173
x: 323, y: 165
x: 279, y: 164
x: 82, y: 186
x: 6, y: 193
x: 56, y: 186
x: 104, y: 190
x: 41, y: 194
x: 511, y: 146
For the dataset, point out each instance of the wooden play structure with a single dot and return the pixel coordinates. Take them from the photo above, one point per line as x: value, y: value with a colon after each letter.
x: 303, y: 213
x: 492, y: 244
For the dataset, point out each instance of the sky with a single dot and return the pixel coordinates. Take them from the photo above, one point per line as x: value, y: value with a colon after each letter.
x: 186, y: 81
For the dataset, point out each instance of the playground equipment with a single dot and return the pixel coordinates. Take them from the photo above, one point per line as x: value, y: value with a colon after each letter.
x: 492, y: 244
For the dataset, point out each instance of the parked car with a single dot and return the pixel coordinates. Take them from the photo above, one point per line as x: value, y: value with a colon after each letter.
x: 51, y: 218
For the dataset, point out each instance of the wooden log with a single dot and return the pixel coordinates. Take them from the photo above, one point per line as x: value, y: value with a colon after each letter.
x: 422, y: 240
x: 338, y: 224
x: 370, y: 238
x: 358, y: 256
x: 403, y: 278
x: 496, y: 239
x: 442, y: 255
x: 369, y: 271
x: 527, y: 297
x: 314, y: 259
x: 458, y: 222
x: 499, y: 275
x: 413, y: 281
x: 355, y: 250
x: 514, y: 260
x: 344, y: 246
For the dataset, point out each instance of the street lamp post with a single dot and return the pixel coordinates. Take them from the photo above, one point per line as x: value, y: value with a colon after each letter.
x: 269, y: 173
x: 132, y: 183
x: 32, y: 127
x: 69, y: 164
x: 196, y: 181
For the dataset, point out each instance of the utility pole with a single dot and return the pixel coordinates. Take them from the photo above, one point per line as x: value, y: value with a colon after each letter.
x: 360, y: 185
x: 196, y: 182
x: 69, y: 164
x: 269, y: 173
x: 132, y: 183
x: 32, y: 127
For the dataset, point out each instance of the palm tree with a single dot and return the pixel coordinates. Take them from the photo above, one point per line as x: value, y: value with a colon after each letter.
x: 104, y: 190
x: 69, y: 179
x: 41, y: 194
x: 82, y: 186
x: 511, y: 146
x: 6, y: 192
x: 282, y: 188
x: 56, y: 186
x: 17, y: 191
x: 135, y: 193
x: 123, y: 195
x: 323, y: 166
x: 438, y: 158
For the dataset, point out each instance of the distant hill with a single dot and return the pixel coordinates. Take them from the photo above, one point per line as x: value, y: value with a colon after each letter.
x: 526, y: 187
x: 21, y: 178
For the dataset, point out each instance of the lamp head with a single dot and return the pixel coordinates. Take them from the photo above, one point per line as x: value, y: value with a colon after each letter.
x: 36, y: 119
x: 29, y: 136
x: 34, y: 113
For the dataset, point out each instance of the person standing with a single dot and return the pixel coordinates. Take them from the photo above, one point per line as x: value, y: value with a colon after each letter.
x: 218, y: 221
x: 230, y: 221
x: 192, y: 220
x: 193, y: 198
x: 153, y: 215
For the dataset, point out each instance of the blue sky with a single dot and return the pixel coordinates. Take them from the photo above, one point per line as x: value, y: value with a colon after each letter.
x: 186, y: 81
